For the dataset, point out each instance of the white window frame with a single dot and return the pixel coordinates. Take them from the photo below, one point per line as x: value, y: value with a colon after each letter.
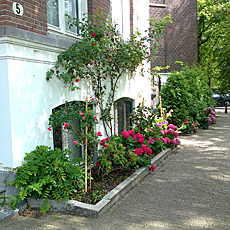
x: 61, y: 29
x: 121, y: 15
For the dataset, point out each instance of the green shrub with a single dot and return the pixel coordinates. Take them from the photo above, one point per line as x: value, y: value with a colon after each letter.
x: 187, y: 93
x: 48, y: 174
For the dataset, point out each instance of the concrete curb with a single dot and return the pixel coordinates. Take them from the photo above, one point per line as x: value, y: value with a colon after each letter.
x: 94, y: 211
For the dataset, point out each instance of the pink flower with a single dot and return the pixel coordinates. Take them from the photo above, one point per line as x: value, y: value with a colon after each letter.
x: 171, y: 131
x: 171, y: 126
x: 154, y: 71
x: 81, y: 114
x: 177, y: 141
x: 186, y: 121
x: 77, y: 80
x: 173, y: 141
x: 108, y: 59
x: 125, y: 134
x: 164, y: 140
x: 159, y: 125
x: 95, y: 117
x: 97, y: 163
x: 168, y: 140
x: 152, y: 130
x: 49, y: 129
x: 66, y: 125
x: 92, y: 99
x: 144, y: 148
x: 153, y: 168
x: 99, y: 133
x: 151, y: 141
x: 94, y: 34
x: 194, y: 124
x: 108, y: 138
x: 75, y: 143
x: 105, y: 146
x: 141, y: 140
x: 149, y: 151
x: 131, y: 133
x: 138, y: 152
x: 196, y: 128
x: 83, y: 118
x: 176, y: 134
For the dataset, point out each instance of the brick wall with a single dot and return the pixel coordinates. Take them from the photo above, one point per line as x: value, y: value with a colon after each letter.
x: 95, y: 5
x: 180, y: 41
x: 34, y: 18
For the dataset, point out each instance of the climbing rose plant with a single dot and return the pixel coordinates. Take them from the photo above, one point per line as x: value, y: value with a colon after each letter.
x: 102, y: 57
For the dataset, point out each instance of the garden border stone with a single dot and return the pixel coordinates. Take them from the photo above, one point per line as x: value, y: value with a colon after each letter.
x: 94, y: 211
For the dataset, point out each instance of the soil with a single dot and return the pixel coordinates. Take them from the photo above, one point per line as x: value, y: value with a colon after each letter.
x: 100, y: 186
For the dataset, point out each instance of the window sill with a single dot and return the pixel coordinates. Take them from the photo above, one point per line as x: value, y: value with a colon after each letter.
x: 157, y: 5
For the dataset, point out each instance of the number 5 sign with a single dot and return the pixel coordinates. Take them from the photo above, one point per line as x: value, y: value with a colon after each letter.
x: 17, y: 8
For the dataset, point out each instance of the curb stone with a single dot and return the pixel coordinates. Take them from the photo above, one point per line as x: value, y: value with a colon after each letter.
x: 94, y: 211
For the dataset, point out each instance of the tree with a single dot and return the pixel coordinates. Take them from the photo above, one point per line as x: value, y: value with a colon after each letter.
x: 213, y: 41
x: 103, y: 57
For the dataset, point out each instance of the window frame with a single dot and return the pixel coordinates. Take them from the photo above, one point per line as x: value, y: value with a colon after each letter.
x: 61, y: 29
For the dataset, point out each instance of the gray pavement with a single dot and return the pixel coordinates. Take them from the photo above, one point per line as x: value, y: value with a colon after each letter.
x: 191, y: 190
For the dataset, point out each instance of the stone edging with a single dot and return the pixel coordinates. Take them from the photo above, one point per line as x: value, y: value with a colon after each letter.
x: 94, y: 211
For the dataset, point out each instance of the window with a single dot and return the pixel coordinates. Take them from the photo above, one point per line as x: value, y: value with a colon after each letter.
x: 121, y: 16
x: 56, y: 10
x: 122, y: 110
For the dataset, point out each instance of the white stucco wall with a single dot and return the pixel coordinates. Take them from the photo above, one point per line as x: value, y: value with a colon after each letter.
x: 27, y: 99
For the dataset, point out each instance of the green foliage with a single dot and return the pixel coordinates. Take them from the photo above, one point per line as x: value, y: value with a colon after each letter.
x: 103, y: 57
x: 47, y: 174
x: 77, y: 118
x: 213, y: 40
x: 187, y: 94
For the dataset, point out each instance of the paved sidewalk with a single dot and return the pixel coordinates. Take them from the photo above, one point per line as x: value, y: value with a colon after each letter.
x: 190, y: 191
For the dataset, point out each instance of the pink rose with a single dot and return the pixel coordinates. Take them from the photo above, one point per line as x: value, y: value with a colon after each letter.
x: 94, y: 34
x: 95, y: 117
x: 102, y: 142
x: 105, y: 146
x: 149, y: 151
x: 99, y: 133
x: 108, y: 59
x: 75, y: 143
x: 66, y: 125
x: 92, y: 99
x: 81, y: 114
x: 83, y: 118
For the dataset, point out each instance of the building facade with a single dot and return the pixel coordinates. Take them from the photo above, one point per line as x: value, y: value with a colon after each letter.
x: 34, y: 32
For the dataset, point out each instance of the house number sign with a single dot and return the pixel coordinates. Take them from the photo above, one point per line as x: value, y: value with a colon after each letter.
x: 17, y: 8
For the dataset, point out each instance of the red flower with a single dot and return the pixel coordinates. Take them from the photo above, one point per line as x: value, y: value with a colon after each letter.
x: 49, y: 129
x: 138, y: 152
x: 97, y: 163
x: 137, y: 62
x: 186, y: 121
x: 131, y: 133
x: 91, y: 63
x: 102, y: 142
x: 151, y: 141
x: 138, y: 44
x: 81, y: 114
x: 153, y: 168
x: 75, y: 143
x: 154, y: 71
x: 108, y: 59
x: 125, y: 134
x: 99, y: 133
x: 77, y: 80
x: 92, y: 99
x: 95, y: 43
x: 83, y: 118
x: 94, y: 34
x: 115, y: 50
x: 95, y: 117
x: 147, y: 52
x: 149, y: 151
x: 105, y: 146
x: 66, y: 125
